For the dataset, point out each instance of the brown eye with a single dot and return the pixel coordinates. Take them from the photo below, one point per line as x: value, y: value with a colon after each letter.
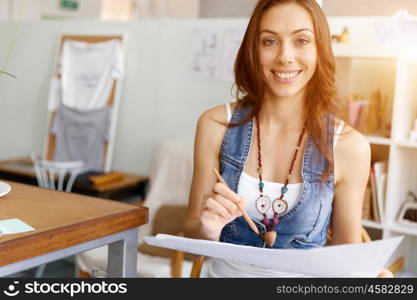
x: 269, y: 42
x: 302, y: 42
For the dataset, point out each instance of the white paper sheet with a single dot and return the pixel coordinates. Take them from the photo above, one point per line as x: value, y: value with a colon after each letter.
x: 350, y: 260
x: 12, y: 226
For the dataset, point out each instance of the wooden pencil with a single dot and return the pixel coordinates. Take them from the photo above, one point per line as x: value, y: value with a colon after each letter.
x: 244, y: 213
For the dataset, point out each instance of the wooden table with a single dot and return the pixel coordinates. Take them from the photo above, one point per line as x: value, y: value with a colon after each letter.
x: 66, y: 224
x: 21, y: 170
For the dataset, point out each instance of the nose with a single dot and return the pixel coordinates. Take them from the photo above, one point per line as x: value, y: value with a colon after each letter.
x: 285, y: 54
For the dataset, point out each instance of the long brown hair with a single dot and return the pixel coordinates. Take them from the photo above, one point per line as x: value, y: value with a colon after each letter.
x: 321, y: 89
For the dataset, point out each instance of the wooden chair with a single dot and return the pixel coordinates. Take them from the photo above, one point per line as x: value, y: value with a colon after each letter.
x: 170, y: 179
x: 176, y: 257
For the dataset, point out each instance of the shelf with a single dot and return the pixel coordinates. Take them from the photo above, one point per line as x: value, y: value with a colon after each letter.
x: 403, y: 229
x: 377, y: 140
x: 366, y: 64
x: 355, y: 50
x: 393, y: 227
x: 406, y: 143
x: 372, y: 224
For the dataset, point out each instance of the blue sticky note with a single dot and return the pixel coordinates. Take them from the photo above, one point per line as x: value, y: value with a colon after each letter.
x: 12, y: 226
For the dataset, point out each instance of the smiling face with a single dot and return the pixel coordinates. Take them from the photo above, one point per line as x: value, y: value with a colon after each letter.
x: 287, y: 50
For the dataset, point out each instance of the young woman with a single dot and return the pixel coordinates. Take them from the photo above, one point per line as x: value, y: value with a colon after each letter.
x: 278, y: 146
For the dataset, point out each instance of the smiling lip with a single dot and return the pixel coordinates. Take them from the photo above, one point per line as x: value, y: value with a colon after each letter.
x: 286, y: 76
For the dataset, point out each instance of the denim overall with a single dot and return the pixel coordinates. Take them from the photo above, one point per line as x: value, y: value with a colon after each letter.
x: 306, y: 224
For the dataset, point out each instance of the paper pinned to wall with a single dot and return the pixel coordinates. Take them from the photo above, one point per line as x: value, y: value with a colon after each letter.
x: 205, y: 44
x: 350, y: 260
x: 214, y: 53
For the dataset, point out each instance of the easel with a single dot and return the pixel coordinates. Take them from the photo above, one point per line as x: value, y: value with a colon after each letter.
x: 114, y: 99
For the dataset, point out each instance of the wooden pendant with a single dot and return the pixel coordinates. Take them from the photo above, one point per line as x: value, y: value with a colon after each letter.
x: 270, y: 237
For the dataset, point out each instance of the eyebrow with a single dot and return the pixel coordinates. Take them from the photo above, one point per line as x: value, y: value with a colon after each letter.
x: 294, y: 32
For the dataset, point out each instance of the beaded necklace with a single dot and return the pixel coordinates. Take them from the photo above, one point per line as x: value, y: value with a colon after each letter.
x: 263, y: 203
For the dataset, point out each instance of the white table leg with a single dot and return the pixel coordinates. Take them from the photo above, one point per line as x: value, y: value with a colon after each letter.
x: 122, y: 257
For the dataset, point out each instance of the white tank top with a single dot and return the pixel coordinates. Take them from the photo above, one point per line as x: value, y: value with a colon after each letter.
x: 248, y: 185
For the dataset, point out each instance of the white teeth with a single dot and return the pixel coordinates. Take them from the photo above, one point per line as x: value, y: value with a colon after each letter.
x: 286, y: 75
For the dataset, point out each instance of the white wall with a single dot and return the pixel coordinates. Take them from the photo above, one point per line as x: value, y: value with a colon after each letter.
x: 242, y: 8
x: 228, y: 8
x: 367, y: 7
x: 87, y: 9
x: 4, y: 10
x: 25, y: 9
x: 33, y: 10
x: 168, y: 8
x: 159, y: 98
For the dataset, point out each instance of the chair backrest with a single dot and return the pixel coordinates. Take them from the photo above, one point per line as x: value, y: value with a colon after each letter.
x: 170, y: 179
x: 50, y: 172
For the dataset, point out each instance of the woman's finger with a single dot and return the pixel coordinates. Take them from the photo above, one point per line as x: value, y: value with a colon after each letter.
x: 226, y: 192
x: 229, y: 205
x: 217, y: 208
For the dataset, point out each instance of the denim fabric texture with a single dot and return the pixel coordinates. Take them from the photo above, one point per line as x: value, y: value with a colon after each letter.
x: 305, y: 225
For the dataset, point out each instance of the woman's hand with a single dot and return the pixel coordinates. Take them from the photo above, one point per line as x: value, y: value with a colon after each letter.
x: 219, y: 209
x: 385, y: 273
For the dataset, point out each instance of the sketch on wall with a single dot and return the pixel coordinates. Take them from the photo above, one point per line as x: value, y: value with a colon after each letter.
x: 214, y: 53
x: 205, y: 46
